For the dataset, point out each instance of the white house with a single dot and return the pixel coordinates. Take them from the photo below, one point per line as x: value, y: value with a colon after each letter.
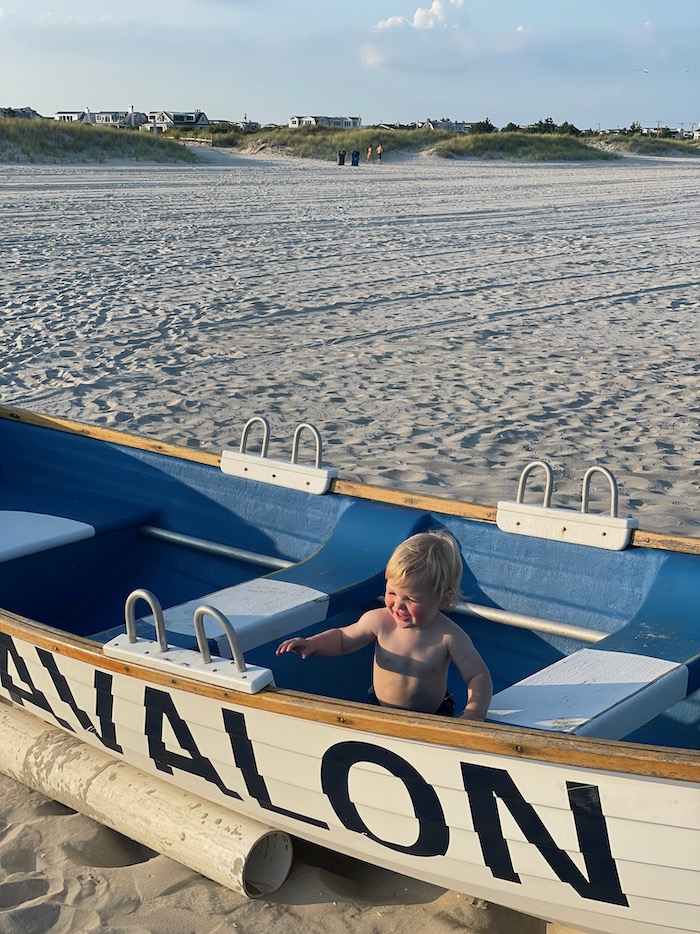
x: 342, y: 123
x: 453, y: 126
x: 248, y: 126
x: 71, y: 116
x: 160, y: 121
x: 668, y: 132
x: 121, y: 119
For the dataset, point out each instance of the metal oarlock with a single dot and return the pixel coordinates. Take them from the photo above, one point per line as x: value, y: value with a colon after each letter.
x: 317, y: 437
x: 587, y: 483
x: 526, y: 473
x: 290, y: 474
x: 158, y: 619
x: 256, y: 419
x: 231, y: 673
x: 230, y: 632
x: 566, y: 525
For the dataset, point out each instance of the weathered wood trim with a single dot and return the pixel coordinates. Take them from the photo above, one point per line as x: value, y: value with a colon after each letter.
x: 576, y: 752
x: 109, y: 435
x: 640, y: 538
x: 664, y: 542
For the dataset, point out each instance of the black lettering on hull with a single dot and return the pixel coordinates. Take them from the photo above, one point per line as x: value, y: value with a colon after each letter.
x: 30, y: 694
x: 244, y: 756
x: 433, y: 835
x: 104, y: 702
x: 160, y: 705
x: 483, y: 785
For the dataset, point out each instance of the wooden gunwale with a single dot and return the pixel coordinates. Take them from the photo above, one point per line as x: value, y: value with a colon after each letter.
x: 430, y: 503
x: 496, y: 739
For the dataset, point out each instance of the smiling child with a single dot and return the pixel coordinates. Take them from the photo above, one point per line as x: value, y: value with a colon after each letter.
x: 415, y: 641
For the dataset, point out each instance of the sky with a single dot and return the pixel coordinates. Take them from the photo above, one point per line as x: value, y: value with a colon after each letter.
x: 596, y: 64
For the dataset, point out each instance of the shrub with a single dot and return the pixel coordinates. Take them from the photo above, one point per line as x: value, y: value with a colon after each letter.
x: 49, y: 140
x: 653, y: 146
x: 527, y: 146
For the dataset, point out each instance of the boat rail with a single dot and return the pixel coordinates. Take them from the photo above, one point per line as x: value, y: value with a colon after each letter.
x: 492, y: 614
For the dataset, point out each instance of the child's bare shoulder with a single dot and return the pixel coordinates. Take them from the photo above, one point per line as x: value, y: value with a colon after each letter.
x: 454, y: 632
x: 374, y: 619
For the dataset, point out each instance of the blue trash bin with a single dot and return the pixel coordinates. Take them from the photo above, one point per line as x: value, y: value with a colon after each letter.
x: 355, y: 157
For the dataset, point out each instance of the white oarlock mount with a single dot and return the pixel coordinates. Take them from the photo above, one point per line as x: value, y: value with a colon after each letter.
x: 231, y: 673
x: 566, y: 525
x: 291, y: 474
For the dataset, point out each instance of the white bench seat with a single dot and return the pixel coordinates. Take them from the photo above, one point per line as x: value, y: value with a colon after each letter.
x: 27, y: 533
x: 259, y: 610
x: 593, y: 692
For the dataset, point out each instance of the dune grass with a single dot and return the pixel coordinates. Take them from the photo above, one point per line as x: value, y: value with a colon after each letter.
x: 51, y: 141
x: 529, y: 147
x: 652, y: 146
x: 324, y: 143
x: 55, y: 142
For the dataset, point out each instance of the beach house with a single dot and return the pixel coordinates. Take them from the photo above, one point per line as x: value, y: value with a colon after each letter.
x: 21, y: 113
x: 159, y: 121
x: 120, y: 119
x: 72, y: 116
x: 453, y: 126
x: 342, y: 123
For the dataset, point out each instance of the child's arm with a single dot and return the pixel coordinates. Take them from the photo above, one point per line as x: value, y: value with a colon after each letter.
x: 476, y: 675
x: 332, y: 642
x: 479, y: 694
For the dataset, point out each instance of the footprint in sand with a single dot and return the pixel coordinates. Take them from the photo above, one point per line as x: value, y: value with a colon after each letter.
x: 106, y: 849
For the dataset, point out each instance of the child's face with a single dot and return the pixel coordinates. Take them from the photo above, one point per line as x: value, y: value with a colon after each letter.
x: 412, y: 603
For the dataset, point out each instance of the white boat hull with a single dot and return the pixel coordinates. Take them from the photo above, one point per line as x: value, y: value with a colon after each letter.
x: 600, y: 849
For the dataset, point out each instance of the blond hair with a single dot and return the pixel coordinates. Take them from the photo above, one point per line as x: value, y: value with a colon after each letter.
x: 434, y: 559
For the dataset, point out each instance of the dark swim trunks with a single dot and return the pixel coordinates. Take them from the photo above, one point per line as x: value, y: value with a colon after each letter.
x: 446, y: 708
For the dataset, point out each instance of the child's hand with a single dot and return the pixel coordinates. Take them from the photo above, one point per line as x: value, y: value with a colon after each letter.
x: 297, y: 644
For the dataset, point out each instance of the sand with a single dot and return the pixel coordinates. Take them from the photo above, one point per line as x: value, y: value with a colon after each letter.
x: 62, y: 873
x: 441, y: 322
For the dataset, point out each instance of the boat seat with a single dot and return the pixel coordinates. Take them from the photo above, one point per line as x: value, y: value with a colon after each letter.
x: 27, y: 533
x: 602, y: 692
x: 347, y: 570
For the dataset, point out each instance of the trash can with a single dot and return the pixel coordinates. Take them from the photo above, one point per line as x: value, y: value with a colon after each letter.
x: 341, y: 157
x: 355, y: 157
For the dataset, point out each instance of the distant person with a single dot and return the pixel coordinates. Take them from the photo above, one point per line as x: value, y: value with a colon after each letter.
x: 369, y: 153
x: 379, y: 153
x: 415, y: 641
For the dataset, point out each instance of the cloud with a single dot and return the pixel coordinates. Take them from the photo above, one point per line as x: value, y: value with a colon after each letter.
x: 370, y: 57
x: 423, y: 18
x: 392, y: 22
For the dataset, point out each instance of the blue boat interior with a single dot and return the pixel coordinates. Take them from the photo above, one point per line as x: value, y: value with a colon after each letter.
x: 183, y: 530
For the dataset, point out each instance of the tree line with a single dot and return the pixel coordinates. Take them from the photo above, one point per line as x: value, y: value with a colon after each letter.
x: 562, y: 129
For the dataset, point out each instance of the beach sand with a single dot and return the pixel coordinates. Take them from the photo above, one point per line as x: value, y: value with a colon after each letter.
x: 441, y: 322
x: 60, y: 872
